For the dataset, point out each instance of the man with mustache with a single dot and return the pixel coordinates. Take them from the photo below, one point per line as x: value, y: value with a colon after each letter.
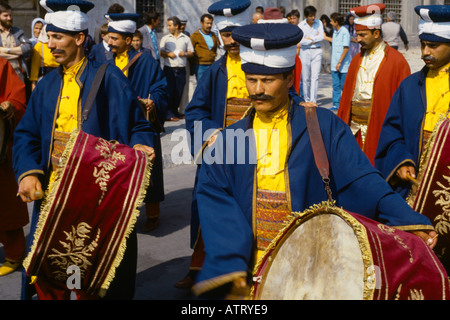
x: 13, y: 43
x: 372, y: 78
x: 205, y: 45
x: 244, y: 204
x: 55, y: 111
x: 150, y: 84
x: 220, y: 99
x: 418, y: 103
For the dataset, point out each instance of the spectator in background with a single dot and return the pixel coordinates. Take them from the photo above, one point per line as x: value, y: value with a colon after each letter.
x: 205, y: 45
x: 293, y: 17
x: 183, y: 21
x: 36, y: 27
x: 150, y: 39
x: 14, y: 46
x: 311, y: 53
x: 136, y: 43
x: 176, y: 48
x: 355, y: 47
x: 340, y: 59
x: 42, y: 60
x: 260, y: 9
x: 393, y: 32
x: 326, y: 44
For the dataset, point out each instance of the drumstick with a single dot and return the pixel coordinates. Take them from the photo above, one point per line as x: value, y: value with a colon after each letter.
x: 414, y: 181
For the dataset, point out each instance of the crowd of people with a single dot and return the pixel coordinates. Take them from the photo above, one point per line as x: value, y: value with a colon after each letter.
x: 247, y: 77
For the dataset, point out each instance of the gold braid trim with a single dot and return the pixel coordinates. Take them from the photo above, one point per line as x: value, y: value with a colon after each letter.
x: 216, y: 282
x: 49, y: 196
x: 425, y: 157
x: 329, y: 208
x: 247, y: 112
x: 134, y: 215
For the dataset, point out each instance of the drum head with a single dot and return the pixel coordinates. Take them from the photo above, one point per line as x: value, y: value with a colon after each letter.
x: 320, y: 259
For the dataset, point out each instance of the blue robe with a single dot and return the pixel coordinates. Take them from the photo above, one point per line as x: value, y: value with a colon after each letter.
x: 99, y: 54
x: 401, y: 135
x: 113, y: 117
x: 226, y: 191
x: 146, y: 78
x: 208, y: 105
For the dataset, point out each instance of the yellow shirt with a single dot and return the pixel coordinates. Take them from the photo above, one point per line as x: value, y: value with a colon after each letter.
x: 41, y: 54
x: 121, y: 61
x: 438, y: 96
x: 271, y: 146
x: 236, y: 79
x: 67, y: 119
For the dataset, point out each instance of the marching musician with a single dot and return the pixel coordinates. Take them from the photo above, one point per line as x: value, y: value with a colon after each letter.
x: 248, y: 187
x: 221, y: 98
x: 54, y: 111
x: 414, y: 124
x: 14, y: 213
x: 372, y: 79
x: 418, y: 103
x: 150, y: 84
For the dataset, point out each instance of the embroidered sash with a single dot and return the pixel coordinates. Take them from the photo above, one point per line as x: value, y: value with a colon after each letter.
x: 88, y: 213
x: 235, y: 110
x: 272, y: 211
x: 432, y: 197
x: 360, y: 114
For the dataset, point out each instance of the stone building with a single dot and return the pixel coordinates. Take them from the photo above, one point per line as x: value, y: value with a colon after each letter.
x: 25, y: 10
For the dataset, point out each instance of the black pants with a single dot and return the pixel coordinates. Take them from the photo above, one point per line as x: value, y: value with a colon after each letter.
x: 176, y: 80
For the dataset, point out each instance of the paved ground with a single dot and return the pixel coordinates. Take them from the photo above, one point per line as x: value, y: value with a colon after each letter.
x: 164, y: 254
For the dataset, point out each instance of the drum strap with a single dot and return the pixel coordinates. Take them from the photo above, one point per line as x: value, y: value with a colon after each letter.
x: 320, y: 154
x: 93, y: 92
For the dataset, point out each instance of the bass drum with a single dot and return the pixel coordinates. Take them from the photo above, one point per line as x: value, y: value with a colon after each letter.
x: 328, y: 253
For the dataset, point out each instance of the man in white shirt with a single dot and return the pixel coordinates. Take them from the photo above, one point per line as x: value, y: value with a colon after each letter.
x: 175, y: 48
x: 311, y: 53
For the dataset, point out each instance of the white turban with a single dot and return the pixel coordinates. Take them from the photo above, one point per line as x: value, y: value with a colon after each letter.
x: 71, y: 20
x: 426, y: 25
x: 125, y: 26
x: 230, y: 20
x: 274, y: 58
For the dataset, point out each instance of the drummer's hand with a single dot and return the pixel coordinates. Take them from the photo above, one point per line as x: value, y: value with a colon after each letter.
x: 30, y: 188
x: 8, y: 109
x: 309, y: 104
x: 148, y: 150
x: 429, y: 237
x: 149, y: 105
x: 406, y: 170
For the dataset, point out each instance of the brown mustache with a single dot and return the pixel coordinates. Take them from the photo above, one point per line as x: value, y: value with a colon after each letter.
x: 429, y: 58
x: 264, y: 97
x: 57, y: 51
